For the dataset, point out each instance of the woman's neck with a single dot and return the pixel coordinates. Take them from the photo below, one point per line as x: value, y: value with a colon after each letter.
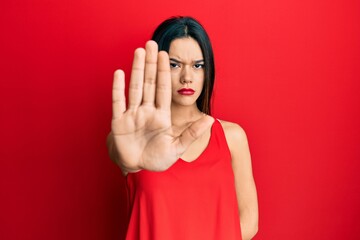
x: 184, y: 115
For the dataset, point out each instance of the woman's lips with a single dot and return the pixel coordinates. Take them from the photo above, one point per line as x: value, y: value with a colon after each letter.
x: 186, y: 91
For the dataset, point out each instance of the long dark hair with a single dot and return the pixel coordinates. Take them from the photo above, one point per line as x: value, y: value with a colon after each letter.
x: 182, y: 27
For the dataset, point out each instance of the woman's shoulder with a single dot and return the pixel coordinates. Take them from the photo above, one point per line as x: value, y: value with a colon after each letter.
x: 231, y: 128
x: 234, y: 133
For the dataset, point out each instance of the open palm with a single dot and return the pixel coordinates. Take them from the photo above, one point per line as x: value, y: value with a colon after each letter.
x: 142, y: 132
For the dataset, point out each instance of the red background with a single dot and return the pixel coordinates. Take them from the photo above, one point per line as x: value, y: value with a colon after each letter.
x: 287, y: 71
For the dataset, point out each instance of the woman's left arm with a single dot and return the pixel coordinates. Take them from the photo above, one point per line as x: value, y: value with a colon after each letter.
x: 244, y: 180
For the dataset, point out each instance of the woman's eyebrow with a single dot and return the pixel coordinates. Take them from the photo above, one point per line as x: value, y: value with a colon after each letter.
x: 177, y: 61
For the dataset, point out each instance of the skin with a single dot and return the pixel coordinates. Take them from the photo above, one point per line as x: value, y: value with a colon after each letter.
x: 163, y: 125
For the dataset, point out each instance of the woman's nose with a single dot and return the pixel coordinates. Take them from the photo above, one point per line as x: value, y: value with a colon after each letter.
x: 186, y: 75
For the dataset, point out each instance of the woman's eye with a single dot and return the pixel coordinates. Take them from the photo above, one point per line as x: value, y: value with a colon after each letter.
x: 174, y: 65
x: 197, y: 66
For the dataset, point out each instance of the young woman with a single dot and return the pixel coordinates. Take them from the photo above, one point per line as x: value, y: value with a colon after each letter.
x: 189, y: 176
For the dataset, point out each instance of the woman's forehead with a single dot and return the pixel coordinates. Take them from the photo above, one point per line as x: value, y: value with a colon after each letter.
x: 185, y: 49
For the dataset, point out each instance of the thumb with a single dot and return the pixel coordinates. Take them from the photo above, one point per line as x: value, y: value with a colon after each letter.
x: 193, y: 132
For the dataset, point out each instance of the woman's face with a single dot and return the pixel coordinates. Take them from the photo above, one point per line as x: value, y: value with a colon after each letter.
x: 187, y: 71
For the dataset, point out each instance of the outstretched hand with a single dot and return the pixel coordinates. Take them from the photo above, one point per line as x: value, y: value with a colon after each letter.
x: 142, y: 133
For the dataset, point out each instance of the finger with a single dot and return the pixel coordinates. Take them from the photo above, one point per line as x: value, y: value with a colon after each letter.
x: 150, y: 72
x: 137, y: 78
x: 194, y: 131
x: 118, y: 94
x: 163, y: 84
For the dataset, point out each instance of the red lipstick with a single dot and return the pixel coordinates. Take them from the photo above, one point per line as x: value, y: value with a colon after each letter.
x: 186, y: 91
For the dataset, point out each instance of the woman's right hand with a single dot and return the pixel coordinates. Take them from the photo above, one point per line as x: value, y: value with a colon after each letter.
x: 142, y: 135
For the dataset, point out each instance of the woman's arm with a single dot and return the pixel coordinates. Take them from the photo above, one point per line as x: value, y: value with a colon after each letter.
x: 244, y: 180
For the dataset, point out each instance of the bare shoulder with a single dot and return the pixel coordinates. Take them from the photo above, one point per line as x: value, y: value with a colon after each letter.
x: 234, y: 133
x: 239, y: 148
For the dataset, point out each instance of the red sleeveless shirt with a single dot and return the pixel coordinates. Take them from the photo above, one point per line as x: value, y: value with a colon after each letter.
x: 189, y: 201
